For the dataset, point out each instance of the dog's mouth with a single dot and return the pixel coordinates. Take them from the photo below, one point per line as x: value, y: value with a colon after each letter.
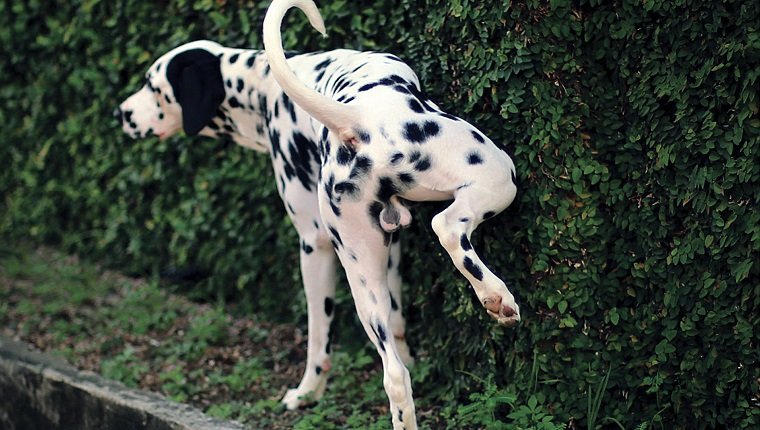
x: 161, y: 135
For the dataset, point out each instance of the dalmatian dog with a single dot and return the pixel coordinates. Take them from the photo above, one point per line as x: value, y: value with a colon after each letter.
x: 383, y: 143
x: 206, y: 89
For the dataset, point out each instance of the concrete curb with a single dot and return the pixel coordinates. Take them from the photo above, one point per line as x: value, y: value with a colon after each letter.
x: 38, y: 391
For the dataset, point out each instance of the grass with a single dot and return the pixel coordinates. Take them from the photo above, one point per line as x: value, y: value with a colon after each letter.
x: 234, y: 367
x: 134, y: 331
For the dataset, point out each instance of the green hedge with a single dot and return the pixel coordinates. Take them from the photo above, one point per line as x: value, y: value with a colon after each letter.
x: 632, y: 247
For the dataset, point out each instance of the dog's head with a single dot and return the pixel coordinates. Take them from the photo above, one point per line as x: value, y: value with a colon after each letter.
x: 183, y: 90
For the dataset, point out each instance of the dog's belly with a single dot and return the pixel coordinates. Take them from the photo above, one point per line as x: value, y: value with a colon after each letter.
x: 421, y: 194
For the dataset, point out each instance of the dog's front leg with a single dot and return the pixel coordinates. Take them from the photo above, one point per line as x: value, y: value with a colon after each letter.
x: 318, y: 272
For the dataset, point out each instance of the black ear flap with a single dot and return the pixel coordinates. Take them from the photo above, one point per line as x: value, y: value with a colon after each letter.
x: 196, y: 78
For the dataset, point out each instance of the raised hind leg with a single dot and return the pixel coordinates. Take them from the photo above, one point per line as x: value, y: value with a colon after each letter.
x: 454, y: 227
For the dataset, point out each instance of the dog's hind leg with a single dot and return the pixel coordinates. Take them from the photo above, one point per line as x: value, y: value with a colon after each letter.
x: 364, y: 249
x: 454, y: 226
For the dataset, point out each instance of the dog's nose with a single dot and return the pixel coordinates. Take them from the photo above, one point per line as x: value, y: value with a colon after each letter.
x: 117, y: 114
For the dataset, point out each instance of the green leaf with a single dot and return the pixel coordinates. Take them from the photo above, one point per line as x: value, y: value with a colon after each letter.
x: 562, y: 306
x: 614, y: 316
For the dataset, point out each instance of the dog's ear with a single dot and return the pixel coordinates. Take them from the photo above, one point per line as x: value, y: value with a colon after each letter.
x: 196, y: 79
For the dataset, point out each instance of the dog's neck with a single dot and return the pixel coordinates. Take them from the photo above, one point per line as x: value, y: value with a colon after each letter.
x: 243, y: 115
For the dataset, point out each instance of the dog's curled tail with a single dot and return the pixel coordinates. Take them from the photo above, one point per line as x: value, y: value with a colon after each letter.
x: 338, y: 117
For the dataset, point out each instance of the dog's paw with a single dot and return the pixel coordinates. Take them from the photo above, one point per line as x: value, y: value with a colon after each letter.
x: 295, y: 398
x: 504, y: 310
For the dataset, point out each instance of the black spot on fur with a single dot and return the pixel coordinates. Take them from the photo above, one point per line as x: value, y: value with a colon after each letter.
x: 228, y: 83
x: 474, y: 158
x: 308, y: 249
x: 423, y: 164
x: 346, y: 188
x: 251, y: 60
x: 374, y: 210
x: 323, y: 64
x: 377, y: 335
x: 395, y: 158
x: 386, y: 189
x: 345, y: 155
x: 402, y: 89
x: 465, y: 243
x: 397, y: 79
x: 240, y: 85
x: 344, y: 83
x: 335, y: 234
x: 274, y: 139
x: 234, y: 103
x: 419, y: 133
x: 394, y: 305
x: 368, y: 86
x: 414, y: 156
x: 415, y: 105
x: 329, y: 305
x: 318, y: 369
x: 381, y: 333
x: 488, y: 214
x: 303, y: 154
x: 289, y: 106
x: 325, y: 132
x: 364, y: 135
x: 234, y: 58
x: 362, y: 165
x: 413, y: 132
x: 431, y: 128
x: 336, y: 210
x: 358, y: 67
x: 406, y: 178
x: 473, y: 268
x: 479, y: 137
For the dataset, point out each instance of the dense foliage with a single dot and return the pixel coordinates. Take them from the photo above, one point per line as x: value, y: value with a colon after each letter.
x: 633, y: 245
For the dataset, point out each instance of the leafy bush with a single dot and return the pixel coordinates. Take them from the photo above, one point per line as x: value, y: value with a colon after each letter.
x: 632, y: 246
